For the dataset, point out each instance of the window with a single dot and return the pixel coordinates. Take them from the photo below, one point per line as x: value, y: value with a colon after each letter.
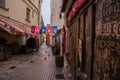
x: 28, y: 14
x: 32, y: 14
x: 60, y: 16
x: 2, y: 3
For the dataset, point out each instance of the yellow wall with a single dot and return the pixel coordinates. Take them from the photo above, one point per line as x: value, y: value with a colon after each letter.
x: 17, y: 10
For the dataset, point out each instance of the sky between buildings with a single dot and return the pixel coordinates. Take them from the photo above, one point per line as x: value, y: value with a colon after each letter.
x: 46, y: 11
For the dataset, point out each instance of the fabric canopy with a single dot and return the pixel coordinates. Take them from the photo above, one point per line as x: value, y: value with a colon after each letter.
x: 70, y: 16
x: 75, y: 8
x: 11, y: 27
x: 2, y: 24
x: 15, y: 29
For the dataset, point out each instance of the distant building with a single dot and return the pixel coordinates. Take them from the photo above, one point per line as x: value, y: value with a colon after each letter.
x: 42, y: 22
x: 56, y: 17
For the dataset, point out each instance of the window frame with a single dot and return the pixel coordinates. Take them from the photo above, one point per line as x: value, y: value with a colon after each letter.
x: 28, y: 14
x: 33, y: 14
x: 2, y: 4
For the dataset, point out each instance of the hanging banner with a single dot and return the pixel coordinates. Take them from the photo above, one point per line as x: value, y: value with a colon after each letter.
x: 55, y: 30
x: 43, y: 30
x: 37, y: 30
x: 49, y: 30
x: 33, y: 29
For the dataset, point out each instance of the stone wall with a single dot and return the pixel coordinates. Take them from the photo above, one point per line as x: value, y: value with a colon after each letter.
x: 107, y: 46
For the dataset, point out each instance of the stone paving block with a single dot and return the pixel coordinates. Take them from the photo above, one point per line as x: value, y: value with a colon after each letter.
x: 41, y: 67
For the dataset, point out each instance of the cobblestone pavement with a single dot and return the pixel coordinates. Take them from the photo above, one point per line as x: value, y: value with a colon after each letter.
x: 15, y: 63
x: 40, y: 66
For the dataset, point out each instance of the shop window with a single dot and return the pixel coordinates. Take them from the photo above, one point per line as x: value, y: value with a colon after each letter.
x: 2, y: 3
x: 28, y: 14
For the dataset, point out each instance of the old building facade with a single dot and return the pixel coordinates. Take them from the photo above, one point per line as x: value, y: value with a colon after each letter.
x: 107, y: 56
x: 56, y: 16
x: 57, y: 19
x: 21, y: 14
x: 80, y: 37
x: 16, y: 20
x: 93, y: 38
x: 28, y: 13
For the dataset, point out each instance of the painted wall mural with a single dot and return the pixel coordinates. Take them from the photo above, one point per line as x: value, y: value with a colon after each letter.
x: 107, y: 55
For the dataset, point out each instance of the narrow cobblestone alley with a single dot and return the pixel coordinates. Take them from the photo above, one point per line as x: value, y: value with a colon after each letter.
x: 41, y: 68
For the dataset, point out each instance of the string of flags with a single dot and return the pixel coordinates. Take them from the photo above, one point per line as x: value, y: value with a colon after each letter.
x: 44, y: 30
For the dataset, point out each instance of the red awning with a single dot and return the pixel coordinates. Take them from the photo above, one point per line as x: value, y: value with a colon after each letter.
x: 11, y: 27
x: 15, y: 29
x: 70, y: 16
x: 6, y: 28
x: 28, y: 31
x: 75, y: 8
x: 81, y: 3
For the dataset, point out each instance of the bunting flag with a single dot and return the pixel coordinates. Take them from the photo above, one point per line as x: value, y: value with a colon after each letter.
x: 37, y: 30
x: 33, y: 29
x: 43, y: 30
x: 55, y: 30
x: 49, y: 30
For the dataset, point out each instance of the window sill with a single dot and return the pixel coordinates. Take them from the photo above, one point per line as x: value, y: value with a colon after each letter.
x: 7, y: 9
x: 28, y: 20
